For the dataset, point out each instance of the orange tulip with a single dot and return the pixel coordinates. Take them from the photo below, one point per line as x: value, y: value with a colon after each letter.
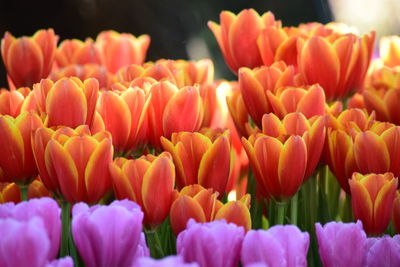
x: 9, y: 192
x: 74, y: 163
x: 279, y: 166
x: 389, y: 50
x: 122, y: 49
x: 358, y: 144
x: 202, y: 205
x: 346, y: 59
x: 77, y: 52
x: 29, y: 59
x: 11, y: 102
x: 396, y: 212
x: 16, y: 159
x: 238, y: 110
x: 124, y: 115
x: 149, y: 181
x: 179, y: 72
x: 237, y: 34
x: 254, y: 85
x: 84, y: 72
x: 309, y: 101
x: 200, y: 160
x: 173, y: 110
x: 37, y: 189
x: 372, y: 200
x: 68, y: 94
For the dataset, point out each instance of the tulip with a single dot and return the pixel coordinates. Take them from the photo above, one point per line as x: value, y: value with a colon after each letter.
x: 173, y: 110
x: 199, y: 160
x: 238, y: 33
x: 77, y: 52
x: 310, y: 102
x: 11, y: 102
x: 334, y: 241
x: 16, y: 160
x: 83, y: 72
x: 238, y: 110
x: 202, y: 205
x: 108, y: 235
x: 122, y: 49
x: 389, y: 50
x: 23, y: 236
x: 9, y: 192
x: 211, y: 244
x: 372, y: 200
x: 396, y: 212
x: 279, y: 246
x: 346, y: 58
x: 254, y: 85
x: 45, y: 208
x: 63, y: 262
x: 384, y: 251
x: 170, y: 261
x: 74, y: 163
x: 149, y: 181
x: 71, y: 94
x: 29, y: 59
x: 124, y: 115
x: 36, y: 189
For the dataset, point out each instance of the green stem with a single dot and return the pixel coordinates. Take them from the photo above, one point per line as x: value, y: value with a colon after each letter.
x: 347, y: 211
x: 24, y: 191
x: 281, y: 212
x: 154, y: 244
x: 65, y: 217
x: 293, y: 209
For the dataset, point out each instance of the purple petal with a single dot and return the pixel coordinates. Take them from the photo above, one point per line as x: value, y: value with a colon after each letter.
x: 171, y: 261
x: 335, y: 239
x: 384, y: 252
x: 217, y: 243
x: 142, y: 249
x: 64, y: 262
x: 23, y: 243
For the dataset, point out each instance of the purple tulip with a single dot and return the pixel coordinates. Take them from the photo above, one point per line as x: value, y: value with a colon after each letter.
x: 341, y: 244
x: 383, y: 252
x: 23, y: 243
x: 279, y: 246
x: 108, y: 235
x: 64, y: 262
x: 45, y: 208
x: 215, y: 244
x: 171, y: 261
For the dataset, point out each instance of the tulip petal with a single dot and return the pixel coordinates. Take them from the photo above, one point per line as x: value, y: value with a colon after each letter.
x: 235, y: 212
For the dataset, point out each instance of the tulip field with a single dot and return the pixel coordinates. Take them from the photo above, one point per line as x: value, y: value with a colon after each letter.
x: 107, y: 159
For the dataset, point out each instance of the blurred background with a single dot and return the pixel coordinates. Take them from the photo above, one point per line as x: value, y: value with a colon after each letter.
x: 178, y: 28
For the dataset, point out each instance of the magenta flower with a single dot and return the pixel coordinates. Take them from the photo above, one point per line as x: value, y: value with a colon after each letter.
x: 341, y: 244
x: 64, y: 262
x: 45, y: 208
x: 23, y: 243
x: 383, y: 252
x: 108, y: 235
x: 279, y: 246
x: 215, y: 244
x: 171, y: 261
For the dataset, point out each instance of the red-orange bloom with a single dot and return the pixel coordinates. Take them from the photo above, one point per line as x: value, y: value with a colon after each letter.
x: 9, y: 192
x: 74, y: 163
x: 254, y: 85
x: 202, y: 205
x: 372, y: 200
x: 124, y: 114
x: 67, y: 102
x: 173, y: 110
x: 29, y: 59
x: 16, y: 158
x: 238, y: 110
x: 389, y: 50
x: 122, y: 49
x: 309, y: 101
x: 37, y: 189
x: 149, y: 181
x: 200, y: 160
x: 237, y: 37
x: 12, y: 101
x: 77, y: 52
x: 345, y: 59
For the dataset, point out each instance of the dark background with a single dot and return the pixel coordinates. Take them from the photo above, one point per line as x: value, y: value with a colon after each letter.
x: 170, y: 24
